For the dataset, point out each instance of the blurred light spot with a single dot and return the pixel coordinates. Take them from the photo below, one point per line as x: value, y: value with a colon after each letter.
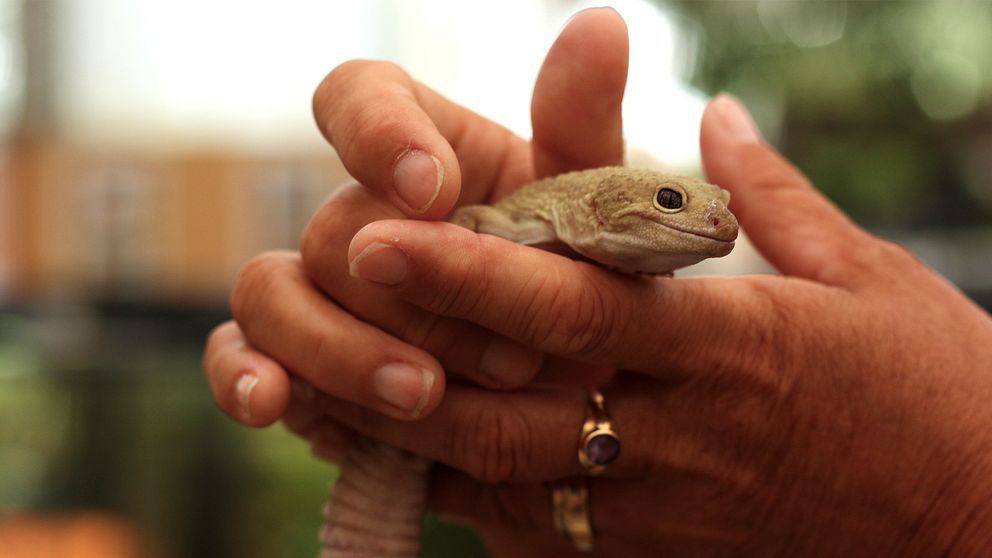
x: 813, y: 23
x: 6, y: 63
x: 946, y: 85
x: 186, y: 72
x: 464, y: 51
x: 140, y: 72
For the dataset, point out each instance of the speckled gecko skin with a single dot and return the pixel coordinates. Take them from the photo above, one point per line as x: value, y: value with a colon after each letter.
x: 631, y: 220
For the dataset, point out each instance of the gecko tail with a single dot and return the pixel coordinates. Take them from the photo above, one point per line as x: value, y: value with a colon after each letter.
x: 377, y: 504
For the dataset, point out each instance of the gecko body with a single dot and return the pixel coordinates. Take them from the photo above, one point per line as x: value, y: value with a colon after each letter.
x: 631, y: 220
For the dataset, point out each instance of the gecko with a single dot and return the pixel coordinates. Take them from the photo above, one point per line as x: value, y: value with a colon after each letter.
x: 631, y: 220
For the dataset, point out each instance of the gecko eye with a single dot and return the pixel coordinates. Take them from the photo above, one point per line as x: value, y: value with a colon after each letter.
x: 669, y: 199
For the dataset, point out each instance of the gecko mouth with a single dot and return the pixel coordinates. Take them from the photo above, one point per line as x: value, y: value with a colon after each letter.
x: 715, y: 236
x: 721, y: 232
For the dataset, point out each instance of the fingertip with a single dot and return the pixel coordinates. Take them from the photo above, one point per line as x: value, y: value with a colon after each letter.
x: 426, y: 184
x: 247, y: 385
x: 507, y: 364
x: 792, y: 224
x: 733, y: 119
x: 736, y: 157
x: 407, y: 391
x: 376, y: 231
x: 596, y: 19
x: 260, y: 392
x: 726, y: 127
x: 417, y: 178
x: 381, y: 243
x: 435, y: 389
x: 370, y: 112
x: 576, y: 108
x: 271, y: 395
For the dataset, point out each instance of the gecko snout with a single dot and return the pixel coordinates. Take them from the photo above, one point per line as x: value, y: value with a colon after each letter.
x: 722, y: 222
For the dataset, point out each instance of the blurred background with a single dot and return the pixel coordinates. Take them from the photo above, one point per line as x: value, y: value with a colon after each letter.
x: 148, y: 149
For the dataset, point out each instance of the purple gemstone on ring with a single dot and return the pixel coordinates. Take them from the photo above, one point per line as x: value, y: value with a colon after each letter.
x: 603, y: 449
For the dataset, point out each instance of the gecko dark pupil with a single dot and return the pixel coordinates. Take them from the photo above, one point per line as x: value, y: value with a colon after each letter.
x: 669, y: 199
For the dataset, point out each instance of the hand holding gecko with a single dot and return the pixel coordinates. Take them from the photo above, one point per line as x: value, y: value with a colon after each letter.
x: 837, y: 409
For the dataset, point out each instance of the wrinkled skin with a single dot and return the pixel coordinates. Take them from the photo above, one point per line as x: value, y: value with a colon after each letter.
x: 838, y: 409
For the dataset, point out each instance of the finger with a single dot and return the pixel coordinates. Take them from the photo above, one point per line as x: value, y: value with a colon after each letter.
x: 577, y: 97
x: 678, y: 515
x: 247, y: 385
x: 463, y: 348
x: 568, y: 308
x: 408, y: 143
x: 521, y: 507
x: 493, y: 440
x: 528, y: 435
x: 284, y: 316
x: 795, y: 227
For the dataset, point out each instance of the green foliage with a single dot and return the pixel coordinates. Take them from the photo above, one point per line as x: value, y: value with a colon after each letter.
x: 134, y: 431
x: 871, y: 99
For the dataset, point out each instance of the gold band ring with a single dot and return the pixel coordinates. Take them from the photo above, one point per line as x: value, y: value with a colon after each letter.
x: 599, y: 444
x: 570, y: 505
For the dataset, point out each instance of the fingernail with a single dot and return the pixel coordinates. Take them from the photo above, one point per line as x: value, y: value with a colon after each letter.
x: 381, y: 263
x: 403, y: 386
x: 509, y: 364
x: 243, y: 387
x: 417, y: 178
x: 737, y: 122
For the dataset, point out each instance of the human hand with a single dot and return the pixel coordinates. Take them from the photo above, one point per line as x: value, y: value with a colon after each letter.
x: 308, y: 315
x: 838, y: 409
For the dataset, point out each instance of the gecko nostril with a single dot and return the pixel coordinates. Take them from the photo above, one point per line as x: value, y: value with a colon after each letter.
x: 716, y: 221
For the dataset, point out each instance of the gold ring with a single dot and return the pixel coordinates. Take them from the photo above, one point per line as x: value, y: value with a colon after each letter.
x: 599, y: 444
x: 570, y: 505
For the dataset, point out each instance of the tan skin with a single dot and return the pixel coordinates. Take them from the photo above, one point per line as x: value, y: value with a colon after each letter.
x: 840, y: 408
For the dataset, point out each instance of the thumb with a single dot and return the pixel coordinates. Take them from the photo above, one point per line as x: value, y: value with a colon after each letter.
x: 792, y: 224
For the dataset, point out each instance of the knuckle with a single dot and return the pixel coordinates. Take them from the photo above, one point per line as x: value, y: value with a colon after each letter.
x: 340, y: 106
x: 363, y: 128
x: 255, y: 283
x: 339, y: 79
x: 780, y: 342
x: 761, y: 358
x: 781, y: 179
x: 493, y: 444
x: 324, y: 241
x: 874, y: 258
x: 216, y: 348
x: 426, y: 330
x: 315, y: 244
x: 467, y: 282
x: 321, y: 352
x: 580, y: 318
x: 891, y: 254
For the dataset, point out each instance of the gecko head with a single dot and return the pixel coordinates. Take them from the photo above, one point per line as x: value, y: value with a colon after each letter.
x: 672, y: 220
